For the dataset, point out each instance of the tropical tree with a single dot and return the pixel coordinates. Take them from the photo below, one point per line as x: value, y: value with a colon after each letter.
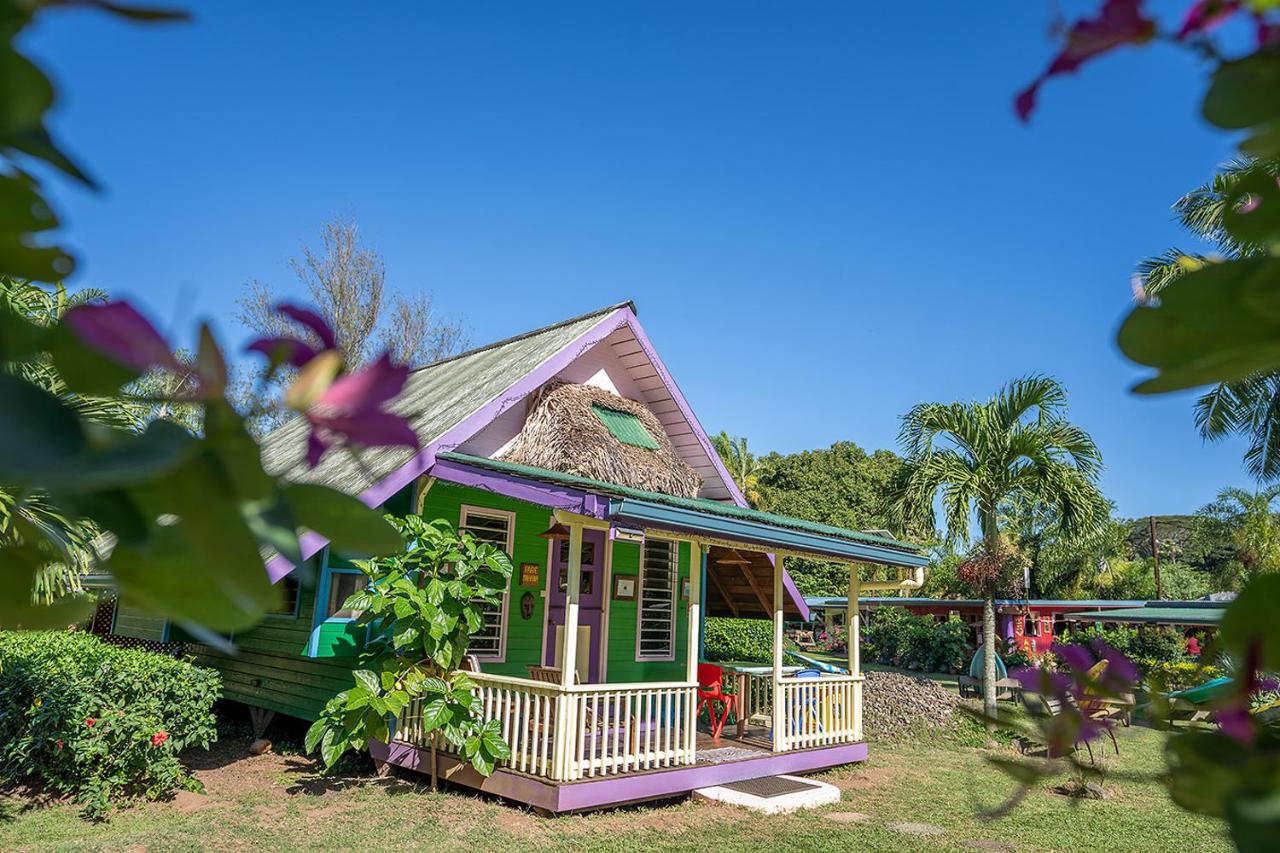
x: 1248, y: 520
x: 742, y: 465
x: 346, y: 281
x: 1249, y: 406
x: 25, y: 513
x: 974, y: 458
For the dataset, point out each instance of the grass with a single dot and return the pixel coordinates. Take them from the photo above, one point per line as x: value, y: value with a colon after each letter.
x: 275, y: 802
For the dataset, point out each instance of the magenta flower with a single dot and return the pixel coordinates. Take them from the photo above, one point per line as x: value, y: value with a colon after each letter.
x: 1204, y: 15
x: 350, y: 411
x: 119, y: 332
x: 1121, y: 22
x: 286, y: 350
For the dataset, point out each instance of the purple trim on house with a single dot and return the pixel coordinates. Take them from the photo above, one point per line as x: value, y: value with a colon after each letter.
x: 530, y: 491
x: 309, y: 542
x: 617, y: 790
x: 647, y: 786
x: 683, y: 405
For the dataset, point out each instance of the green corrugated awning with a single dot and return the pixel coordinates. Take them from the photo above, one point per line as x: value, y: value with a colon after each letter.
x: 1175, y: 615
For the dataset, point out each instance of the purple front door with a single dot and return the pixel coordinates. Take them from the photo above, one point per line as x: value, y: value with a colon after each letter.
x: 590, y: 602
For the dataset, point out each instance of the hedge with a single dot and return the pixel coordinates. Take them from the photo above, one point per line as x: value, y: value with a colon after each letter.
x: 739, y: 640
x: 99, y: 723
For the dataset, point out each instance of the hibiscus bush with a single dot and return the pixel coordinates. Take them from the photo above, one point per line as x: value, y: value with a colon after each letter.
x: 99, y: 723
x: 741, y: 640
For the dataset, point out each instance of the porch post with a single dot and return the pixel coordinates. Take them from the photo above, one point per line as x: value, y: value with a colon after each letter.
x: 693, y: 650
x: 853, y: 636
x: 779, y: 710
x: 569, y: 657
x: 853, y: 623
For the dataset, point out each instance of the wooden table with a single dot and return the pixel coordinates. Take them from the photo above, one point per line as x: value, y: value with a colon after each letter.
x: 741, y: 673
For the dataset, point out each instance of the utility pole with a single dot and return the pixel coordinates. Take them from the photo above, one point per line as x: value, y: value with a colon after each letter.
x: 1155, y: 554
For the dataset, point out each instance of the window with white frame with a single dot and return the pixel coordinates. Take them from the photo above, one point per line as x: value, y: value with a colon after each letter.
x: 495, y: 527
x: 656, y: 629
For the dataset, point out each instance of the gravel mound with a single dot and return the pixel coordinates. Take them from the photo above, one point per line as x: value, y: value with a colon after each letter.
x: 897, y: 706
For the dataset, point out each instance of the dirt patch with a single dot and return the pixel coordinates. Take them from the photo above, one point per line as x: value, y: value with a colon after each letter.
x: 188, y: 802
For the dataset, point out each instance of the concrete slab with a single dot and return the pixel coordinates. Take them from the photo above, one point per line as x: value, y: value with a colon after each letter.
x: 773, y: 794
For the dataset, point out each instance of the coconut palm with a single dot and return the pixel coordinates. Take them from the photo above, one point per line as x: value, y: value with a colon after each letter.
x: 972, y: 459
x: 1249, y: 407
x: 1249, y: 521
x: 741, y: 464
x: 30, y: 514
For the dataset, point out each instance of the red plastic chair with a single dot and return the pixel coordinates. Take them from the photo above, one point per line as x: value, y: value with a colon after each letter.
x: 710, y: 693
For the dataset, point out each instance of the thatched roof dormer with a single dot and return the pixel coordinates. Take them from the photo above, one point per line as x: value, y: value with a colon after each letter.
x: 591, y: 432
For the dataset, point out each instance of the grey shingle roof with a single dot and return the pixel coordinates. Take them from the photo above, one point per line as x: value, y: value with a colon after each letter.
x: 436, y: 398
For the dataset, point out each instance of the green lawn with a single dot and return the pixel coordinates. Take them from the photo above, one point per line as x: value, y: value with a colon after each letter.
x: 277, y: 803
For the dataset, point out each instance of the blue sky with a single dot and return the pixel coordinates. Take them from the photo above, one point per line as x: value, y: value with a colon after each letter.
x: 826, y: 212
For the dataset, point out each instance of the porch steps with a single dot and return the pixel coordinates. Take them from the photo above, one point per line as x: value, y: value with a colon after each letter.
x: 772, y: 794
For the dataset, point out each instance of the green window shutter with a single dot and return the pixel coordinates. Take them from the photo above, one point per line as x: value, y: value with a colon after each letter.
x: 625, y: 427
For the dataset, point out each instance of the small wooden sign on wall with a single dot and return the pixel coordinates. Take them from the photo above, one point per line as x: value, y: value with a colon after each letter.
x: 529, y: 574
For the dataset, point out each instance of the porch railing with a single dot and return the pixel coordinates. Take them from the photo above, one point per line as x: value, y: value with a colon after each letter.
x: 585, y: 731
x: 818, y: 711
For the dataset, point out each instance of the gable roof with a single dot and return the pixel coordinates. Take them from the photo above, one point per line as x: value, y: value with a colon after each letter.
x: 437, y: 398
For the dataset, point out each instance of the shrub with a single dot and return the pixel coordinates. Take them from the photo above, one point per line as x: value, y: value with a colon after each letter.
x: 1176, y: 675
x: 739, y: 640
x: 899, y: 638
x: 835, y: 641
x: 1159, y: 643
x: 96, y: 722
x: 1119, y: 638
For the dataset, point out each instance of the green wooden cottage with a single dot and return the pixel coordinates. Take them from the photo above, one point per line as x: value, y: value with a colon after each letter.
x: 572, y: 448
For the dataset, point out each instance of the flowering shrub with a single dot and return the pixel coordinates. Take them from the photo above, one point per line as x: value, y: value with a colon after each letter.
x: 835, y: 641
x: 899, y: 638
x: 1175, y: 675
x: 99, y: 723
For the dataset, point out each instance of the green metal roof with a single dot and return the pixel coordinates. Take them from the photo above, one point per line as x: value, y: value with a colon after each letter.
x: 1168, y: 615
x: 625, y: 427
x: 639, y: 502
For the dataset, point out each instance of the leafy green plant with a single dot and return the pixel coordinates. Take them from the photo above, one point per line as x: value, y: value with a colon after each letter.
x: 746, y: 640
x: 422, y: 606
x: 99, y: 723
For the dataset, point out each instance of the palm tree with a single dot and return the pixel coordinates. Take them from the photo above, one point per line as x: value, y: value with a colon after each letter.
x: 1249, y: 520
x: 66, y: 540
x: 1249, y: 407
x: 975, y: 458
x: 743, y: 467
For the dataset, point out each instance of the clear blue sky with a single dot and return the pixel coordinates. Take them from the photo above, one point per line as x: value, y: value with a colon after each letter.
x: 826, y: 212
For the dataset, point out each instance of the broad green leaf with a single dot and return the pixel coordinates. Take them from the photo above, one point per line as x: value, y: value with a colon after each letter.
x: 349, y: 525
x: 1251, y: 619
x: 126, y: 459
x: 23, y: 214
x: 376, y: 728
x: 271, y: 522
x: 18, y: 566
x: 368, y: 680
x: 84, y: 370
x: 1251, y: 210
x: 1216, y: 324
x: 314, y: 734
x: 236, y: 451
x: 435, y: 714
x: 47, y: 432
x: 1243, y: 92
x: 20, y: 339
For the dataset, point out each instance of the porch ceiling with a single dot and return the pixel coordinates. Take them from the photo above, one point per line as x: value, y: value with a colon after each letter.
x: 743, y: 591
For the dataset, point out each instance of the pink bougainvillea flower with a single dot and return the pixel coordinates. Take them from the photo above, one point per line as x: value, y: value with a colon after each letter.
x: 119, y: 332
x: 1119, y: 23
x: 159, y: 737
x: 350, y: 410
x: 1204, y: 15
x: 89, y: 721
x: 294, y: 351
